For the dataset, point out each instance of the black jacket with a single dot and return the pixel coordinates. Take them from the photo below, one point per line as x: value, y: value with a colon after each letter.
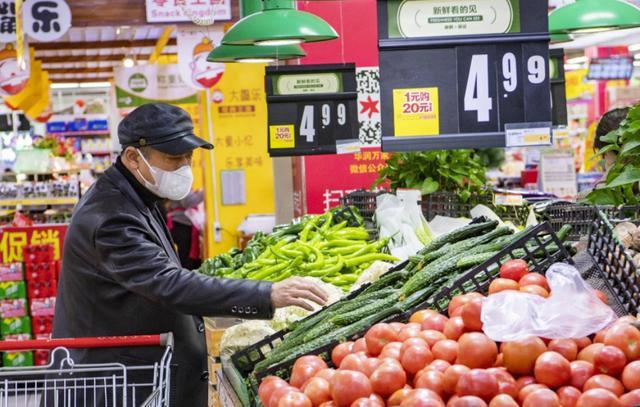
x: 121, y: 276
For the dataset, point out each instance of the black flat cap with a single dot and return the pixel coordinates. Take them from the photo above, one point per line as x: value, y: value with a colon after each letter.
x: 161, y: 126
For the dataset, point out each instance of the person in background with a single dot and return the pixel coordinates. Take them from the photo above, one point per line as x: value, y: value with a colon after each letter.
x: 610, y: 121
x: 185, y: 230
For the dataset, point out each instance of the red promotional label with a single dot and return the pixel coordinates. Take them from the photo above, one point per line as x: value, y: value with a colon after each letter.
x: 14, y: 239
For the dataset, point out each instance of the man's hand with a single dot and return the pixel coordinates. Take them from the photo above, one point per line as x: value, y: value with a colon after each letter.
x: 293, y: 291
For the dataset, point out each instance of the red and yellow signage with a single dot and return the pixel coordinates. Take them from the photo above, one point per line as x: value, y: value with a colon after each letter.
x: 14, y: 239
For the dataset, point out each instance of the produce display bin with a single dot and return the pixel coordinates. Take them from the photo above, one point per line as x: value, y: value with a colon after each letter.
x: 541, y: 248
x: 612, y: 261
x: 581, y: 216
x: 245, y: 359
x: 364, y: 201
x: 449, y: 204
x: 440, y: 204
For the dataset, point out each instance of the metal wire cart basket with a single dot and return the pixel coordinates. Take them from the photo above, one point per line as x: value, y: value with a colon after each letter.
x: 63, y: 383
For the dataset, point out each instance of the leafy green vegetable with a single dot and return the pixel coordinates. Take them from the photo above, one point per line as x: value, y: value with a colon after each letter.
x: 461, y: 171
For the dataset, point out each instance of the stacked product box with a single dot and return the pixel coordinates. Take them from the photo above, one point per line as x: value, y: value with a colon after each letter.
x: 27, y: 302
x: 41, y: 274
x: 15, y: 324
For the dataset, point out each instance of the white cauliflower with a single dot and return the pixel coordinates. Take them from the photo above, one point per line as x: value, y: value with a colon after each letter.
x: 375, y: 270
x: 242, y: 335
x: 247, y: 333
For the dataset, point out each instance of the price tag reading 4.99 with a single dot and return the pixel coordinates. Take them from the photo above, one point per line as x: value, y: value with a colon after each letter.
x: 312, y: 109
x: 323, y: 118
x: 497, y: 82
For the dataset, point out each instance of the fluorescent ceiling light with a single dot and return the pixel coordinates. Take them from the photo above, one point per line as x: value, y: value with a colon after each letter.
x: 257, y: 60
x: 95, y: 85
x: 279, y: 43
x: 65, y: 85
x: 573, y: 67
x: 577, y: 60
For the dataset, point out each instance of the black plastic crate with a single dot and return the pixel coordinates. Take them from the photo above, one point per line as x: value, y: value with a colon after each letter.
x: 581, y: 216
x: 450, y: 204
x: 439, y: 204
x: 612, y: 260
x: 564, y: 213
x: 542, y: 248
x: 541, y: 235
x: 364, y: 200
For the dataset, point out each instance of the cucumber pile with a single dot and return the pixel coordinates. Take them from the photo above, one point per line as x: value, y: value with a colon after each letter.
x: 438, y: 265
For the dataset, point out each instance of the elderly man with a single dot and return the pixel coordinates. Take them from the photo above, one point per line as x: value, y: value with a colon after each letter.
x: 120, y: 273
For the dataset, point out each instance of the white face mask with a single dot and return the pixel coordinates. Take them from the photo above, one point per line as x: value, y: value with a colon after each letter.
x: 173, y: 185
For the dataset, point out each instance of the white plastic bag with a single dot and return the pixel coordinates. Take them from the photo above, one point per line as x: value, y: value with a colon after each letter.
x: 402, y: 221
x: 572, y: 310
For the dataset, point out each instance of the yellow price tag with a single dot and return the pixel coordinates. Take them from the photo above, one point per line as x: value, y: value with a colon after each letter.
x: 416, y: 112
x: 282, y: 136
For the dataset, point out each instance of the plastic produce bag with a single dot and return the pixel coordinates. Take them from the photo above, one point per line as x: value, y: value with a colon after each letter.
x: 572, y: 310
x: 402, y: 221
x: 481, y: 210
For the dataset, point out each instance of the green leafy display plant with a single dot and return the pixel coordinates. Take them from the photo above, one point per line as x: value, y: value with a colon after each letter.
x: 460, y: 171
x: 622, y: 179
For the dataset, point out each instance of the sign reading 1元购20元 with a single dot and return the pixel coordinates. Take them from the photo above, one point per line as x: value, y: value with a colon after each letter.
x: 312, y: 110
x: 463, y: 73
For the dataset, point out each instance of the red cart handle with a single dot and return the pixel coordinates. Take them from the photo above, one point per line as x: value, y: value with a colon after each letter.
x: 90, y: 342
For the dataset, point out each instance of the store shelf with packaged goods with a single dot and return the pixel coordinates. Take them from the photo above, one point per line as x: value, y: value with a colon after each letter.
x: 70, y: 200
x: 84, y: 133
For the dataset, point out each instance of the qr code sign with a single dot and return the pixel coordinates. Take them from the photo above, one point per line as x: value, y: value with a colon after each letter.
x: 368, y: 81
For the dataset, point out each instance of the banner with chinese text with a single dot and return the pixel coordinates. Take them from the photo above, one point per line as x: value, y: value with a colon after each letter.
x: 14, y: 239
x: 151, y: 83
x: 239, y: 114
x: 178, y: 11
x: 356, y: 171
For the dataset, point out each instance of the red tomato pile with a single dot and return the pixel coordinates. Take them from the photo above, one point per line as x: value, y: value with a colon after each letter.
x: 435, y: 361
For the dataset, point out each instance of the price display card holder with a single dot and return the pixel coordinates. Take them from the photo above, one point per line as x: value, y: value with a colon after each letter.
x: 453, y: 74
x: 312, y: 109
x: 557, y: 174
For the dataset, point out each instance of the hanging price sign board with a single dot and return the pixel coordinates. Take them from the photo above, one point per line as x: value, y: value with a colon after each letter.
x: 456, y: 73
x: 312, y: 109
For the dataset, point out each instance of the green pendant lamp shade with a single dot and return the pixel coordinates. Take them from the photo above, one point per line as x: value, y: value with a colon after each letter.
x: 585, y: 16
x: 558, y: 38
x: 279, y: 24
x: 254, y: 53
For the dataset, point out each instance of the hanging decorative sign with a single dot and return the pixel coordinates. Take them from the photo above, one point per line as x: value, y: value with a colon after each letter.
x: 46, y: 20
x: 7, y: 21
x: 201, y: 12
x: 151, y: 83
x: 13, y: 76
x: 453, y: 73
x: 312, y: 110
x: 433, y: 18
x: 194, y: 45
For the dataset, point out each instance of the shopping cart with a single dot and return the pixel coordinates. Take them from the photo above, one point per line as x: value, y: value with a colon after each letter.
x: 62, y: 383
